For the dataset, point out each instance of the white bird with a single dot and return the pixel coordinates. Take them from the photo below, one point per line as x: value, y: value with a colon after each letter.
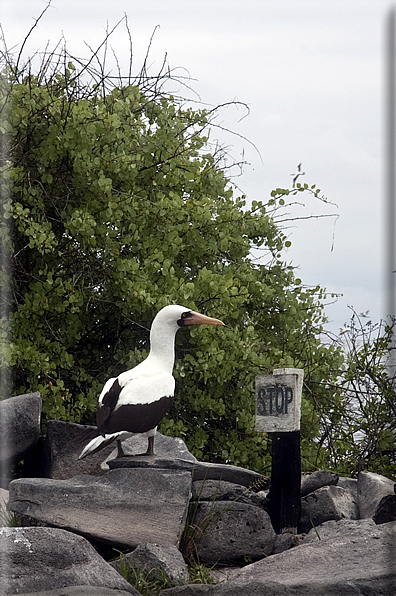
x: 344, y: 330
x: 297, y: 174
x: 136, y: 401
x: 364, y: 314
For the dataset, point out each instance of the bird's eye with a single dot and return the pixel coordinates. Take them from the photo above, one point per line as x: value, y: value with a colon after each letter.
x: 184, y: 315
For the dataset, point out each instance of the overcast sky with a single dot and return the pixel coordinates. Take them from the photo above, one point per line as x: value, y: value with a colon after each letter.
x: 313, y: 75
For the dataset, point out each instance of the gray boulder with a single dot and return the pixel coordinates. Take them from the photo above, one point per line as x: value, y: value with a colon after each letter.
x: 39, y: 559
x: 80, y: 591
x: 351, y: 557
x: 225, y: 532
x: 199, y: 470
x: 286, y: 540
x: 124, y: 507
x: 165, y: 447
x: 317, y: 479
x: 221, y: 490
x: 56, y: 455
x: 386, y: 510
x: 334, y: 530
x: 350, y: 484
x: 156, y: 559
x: 253, y: 588
x: 19, y: 425
x: 371, y: 489
x: 326, y: 503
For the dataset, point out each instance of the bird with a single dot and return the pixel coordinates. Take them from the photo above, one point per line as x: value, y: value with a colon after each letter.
x: 344, y: 330
x: 297, y: 174
x: 136, y: 401
x: 364, y: 314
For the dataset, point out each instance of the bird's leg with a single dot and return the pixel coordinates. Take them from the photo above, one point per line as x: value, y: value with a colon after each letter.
x: 150, y: 447
x: 120, y: 452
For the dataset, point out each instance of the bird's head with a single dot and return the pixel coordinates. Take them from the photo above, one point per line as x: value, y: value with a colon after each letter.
x: 181, y: 316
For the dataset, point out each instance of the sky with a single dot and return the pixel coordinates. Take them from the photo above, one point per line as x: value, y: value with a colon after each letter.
x: 312, y: 73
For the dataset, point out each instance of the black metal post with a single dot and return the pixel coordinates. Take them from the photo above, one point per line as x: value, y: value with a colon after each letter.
x: 285, y: 500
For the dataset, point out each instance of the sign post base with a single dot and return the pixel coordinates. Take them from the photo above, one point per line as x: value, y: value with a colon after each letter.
x: 285, y: 499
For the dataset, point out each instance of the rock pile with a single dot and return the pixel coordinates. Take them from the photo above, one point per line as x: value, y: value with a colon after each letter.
x: 151, y: 505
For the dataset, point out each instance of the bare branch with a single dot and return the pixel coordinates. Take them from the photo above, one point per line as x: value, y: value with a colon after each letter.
x: 28, y: 35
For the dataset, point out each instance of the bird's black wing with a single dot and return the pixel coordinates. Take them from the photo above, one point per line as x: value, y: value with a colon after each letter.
x: 107, y: 404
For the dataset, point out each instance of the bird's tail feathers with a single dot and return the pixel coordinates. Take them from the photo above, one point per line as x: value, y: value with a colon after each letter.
x: 97, y: 443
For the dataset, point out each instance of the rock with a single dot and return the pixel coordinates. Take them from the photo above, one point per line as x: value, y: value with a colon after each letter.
x: 285, y: 541
x: 220, y: 490
x: 233, y: 474
x: 350, y: 484
x: 219, y: 575
x: 317, y: 479
x: 39, y: 559
x: 165, y: 447
x: 386, y: 510
x: 371, y: 489
x: 226, y: 532
x: 199, y: 470
x: 260, y: 499
x: 353, y: 557
x: 334, y: 530
x: 56, y: 455
x: 124, y: 507
x: 326, y: 503
x: 156, y: 558
x: 80, y: 591
x: 253, y: 588
x: 19, y: 425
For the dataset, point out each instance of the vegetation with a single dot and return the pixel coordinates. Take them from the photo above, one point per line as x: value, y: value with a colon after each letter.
x: 9, y: 519
x: 362, y: 434
x: 150, y: 582
x: 146, y: 582
x: 114, y: 204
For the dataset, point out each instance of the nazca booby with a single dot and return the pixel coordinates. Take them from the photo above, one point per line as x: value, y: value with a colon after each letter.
x: 136, y: 401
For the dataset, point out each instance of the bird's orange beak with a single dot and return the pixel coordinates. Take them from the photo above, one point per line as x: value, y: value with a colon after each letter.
x: 197, y: 319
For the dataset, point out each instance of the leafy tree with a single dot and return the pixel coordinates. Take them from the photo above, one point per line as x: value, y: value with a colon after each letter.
x: 361, y: 433
x: 114, y: 206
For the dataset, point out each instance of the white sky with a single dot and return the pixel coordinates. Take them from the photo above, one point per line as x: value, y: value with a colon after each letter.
x: 312, y: 73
